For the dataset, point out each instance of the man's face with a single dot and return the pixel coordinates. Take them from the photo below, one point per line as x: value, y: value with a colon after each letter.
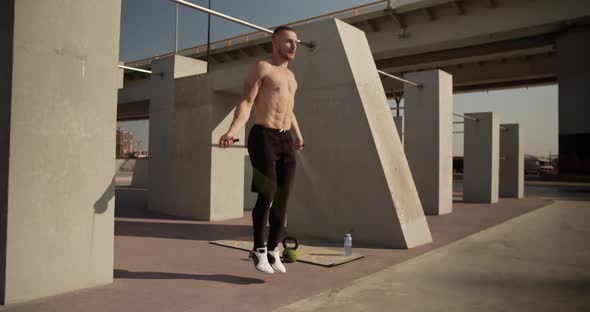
x: 285, y: 44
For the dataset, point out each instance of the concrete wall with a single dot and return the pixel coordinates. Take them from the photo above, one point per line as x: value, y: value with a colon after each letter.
x: 481, y: 167
x: 428, y: 138
x: 511, y: 161
x: 353, y: 175
x: 574, y: 101
x: 63, y: 107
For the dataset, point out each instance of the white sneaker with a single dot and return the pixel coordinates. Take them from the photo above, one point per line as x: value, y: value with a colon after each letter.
x: 274, y: 258
x: 259, y: 256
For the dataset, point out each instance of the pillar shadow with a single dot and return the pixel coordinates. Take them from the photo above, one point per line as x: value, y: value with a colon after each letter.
x: 187, y: 231
x: 102, y: 203
x: 222, y: 278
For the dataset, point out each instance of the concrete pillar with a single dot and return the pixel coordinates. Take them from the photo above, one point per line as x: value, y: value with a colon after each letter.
x: 481, y: 158
x: 188, y: 174
x: 58, y: 83
x: 399, y: 126
x: 511, y: 161
x: 360, y: 181
x: 428, y: 138
x: 574, y: 101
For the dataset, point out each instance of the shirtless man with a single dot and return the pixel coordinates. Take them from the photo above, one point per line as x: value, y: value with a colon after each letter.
x: 270, y: 87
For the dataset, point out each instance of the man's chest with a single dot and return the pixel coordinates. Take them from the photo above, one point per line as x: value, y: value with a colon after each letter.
x: 282, y: 83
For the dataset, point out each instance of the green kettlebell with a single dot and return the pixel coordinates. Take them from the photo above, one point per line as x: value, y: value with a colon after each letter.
x: 290, y: 253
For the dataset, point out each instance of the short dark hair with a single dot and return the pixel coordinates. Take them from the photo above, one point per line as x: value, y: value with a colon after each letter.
x: 280, y: 29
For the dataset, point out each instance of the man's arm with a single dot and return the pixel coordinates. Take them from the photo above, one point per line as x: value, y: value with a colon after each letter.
x: 297, y: 132
x: 242, y: 113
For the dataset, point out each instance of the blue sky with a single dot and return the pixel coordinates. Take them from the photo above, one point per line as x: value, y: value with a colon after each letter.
x: 147, y: 29
x: 147, y: 26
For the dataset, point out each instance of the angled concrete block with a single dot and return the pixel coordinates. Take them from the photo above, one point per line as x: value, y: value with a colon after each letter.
x: 481, y: 158
x: 353, y: 175
x: 511, y: 161
x: 428, y: 138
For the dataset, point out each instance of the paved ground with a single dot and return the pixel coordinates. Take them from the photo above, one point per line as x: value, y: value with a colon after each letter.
x: 166, y: 264
x: 536, y: 262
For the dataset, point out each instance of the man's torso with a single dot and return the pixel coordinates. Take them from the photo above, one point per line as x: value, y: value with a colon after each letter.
x: 276, y: 97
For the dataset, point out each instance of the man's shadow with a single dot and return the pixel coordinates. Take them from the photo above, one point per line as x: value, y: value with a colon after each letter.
x: 223, y: 278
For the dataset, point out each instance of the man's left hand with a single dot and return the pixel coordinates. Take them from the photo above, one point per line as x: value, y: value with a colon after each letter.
x: 298, y: 144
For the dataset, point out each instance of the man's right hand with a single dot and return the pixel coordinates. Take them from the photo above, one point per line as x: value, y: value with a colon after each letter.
x: 226, y: 140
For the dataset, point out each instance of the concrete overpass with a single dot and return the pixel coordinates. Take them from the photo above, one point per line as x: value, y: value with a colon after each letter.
x: 484, y: 44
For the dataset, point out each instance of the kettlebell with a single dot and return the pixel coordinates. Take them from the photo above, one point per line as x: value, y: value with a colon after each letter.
x: 290, y: 253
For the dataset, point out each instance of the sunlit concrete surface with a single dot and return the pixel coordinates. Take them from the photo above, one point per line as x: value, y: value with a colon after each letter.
x: 536, y: 262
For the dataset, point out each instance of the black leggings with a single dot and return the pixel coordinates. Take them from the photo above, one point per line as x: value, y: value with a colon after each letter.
x: 275, y: 215
x: 273, y: 161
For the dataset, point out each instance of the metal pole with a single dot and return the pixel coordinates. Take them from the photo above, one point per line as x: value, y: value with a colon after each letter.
x: 397, y: 100
x: 310, y: 45
x: 135, y: 69
x: 466, y: 117
x: 208, y: 36
x: 176, y: 32
x: 400, y: 79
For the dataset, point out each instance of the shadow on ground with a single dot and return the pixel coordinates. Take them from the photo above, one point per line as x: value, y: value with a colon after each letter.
x: 192, y: 231
x: 133, y: 219
x: 223, y: 278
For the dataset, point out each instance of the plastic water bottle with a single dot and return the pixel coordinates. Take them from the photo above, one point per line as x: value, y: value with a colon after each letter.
x: 347, y: 245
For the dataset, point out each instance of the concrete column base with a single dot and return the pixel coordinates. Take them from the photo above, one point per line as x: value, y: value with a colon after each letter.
x: 511, y: 161
x: 188, y: 175
x: 58, y: 83
x: 429, y: 139
x: 481, y: 158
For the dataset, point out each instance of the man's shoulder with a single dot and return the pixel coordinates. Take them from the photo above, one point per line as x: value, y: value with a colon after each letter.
x: 260, y: 68
x: 262, y: 65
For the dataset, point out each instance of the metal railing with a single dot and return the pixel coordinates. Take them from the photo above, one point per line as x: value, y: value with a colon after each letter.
x: 466, y: 117
x: 342, y: 14
x: 135, y: 69
x: 419, y: 86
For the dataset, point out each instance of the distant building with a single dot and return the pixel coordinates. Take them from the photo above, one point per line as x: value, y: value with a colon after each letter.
x: 124, y: 143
